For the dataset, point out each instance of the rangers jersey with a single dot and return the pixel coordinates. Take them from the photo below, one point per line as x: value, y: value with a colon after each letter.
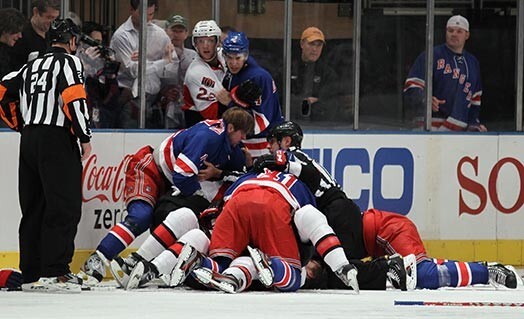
x: 456, y: 79
x: 292, y: 190
x: 182, y: 155
x: 266, y: 111
x: 201, y: 84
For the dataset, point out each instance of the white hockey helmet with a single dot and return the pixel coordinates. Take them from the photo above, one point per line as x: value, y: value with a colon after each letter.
x: 206, y: 28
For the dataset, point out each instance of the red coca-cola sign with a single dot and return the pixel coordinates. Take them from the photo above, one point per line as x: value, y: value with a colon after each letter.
x: 103, y: 182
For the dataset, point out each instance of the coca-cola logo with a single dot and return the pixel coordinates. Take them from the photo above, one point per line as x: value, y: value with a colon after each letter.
x: 103, y: 183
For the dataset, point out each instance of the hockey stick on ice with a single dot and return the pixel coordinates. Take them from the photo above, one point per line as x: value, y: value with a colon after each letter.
x: 458, y: 303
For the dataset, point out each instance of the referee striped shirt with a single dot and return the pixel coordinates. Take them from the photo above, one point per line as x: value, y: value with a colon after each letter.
x: 51, y: 91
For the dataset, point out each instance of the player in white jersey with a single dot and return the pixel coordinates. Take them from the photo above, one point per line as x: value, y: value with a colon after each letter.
x: 204, y: 76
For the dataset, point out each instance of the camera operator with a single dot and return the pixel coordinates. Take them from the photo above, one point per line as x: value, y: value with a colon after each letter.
x: 100, y: 73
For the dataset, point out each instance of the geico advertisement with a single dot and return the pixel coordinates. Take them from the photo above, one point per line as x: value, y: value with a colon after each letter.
x: 452, y: 186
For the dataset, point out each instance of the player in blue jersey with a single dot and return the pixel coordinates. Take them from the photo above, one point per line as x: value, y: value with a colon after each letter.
x: 457, y: 89
x: 241, y: 68
x: 173, y: 167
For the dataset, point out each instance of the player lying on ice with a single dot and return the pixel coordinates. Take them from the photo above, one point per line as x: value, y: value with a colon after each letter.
x: 173, y: 167
x: 260, y: 210
x: 389, y: 233
x: 284, y: 143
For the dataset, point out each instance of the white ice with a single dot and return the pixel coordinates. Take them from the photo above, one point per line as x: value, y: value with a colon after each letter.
x: 182, y: 303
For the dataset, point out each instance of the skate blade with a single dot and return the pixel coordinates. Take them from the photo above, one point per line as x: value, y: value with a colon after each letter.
x: 410, y: 264
x: 265, y: 276
x: 120, y: 276
x: 206, y: 278
x: 136, y: 275
x: 178, y: 275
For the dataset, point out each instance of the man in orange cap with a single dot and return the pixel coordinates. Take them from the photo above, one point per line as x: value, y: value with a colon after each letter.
x: 313, y: 81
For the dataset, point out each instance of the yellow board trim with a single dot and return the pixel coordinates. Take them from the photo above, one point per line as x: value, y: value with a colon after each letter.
x: 509, y: 252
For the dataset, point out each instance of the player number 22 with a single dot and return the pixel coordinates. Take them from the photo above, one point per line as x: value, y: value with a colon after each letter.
x: 204, y: 95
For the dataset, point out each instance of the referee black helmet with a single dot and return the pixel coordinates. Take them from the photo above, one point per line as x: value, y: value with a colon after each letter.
x: 290, y: 129
x: 62, y: 30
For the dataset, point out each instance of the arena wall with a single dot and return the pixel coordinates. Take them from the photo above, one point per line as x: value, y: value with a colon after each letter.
x: 465, y: 192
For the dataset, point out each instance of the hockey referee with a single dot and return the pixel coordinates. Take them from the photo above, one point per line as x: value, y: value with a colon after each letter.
x: 52, y: 116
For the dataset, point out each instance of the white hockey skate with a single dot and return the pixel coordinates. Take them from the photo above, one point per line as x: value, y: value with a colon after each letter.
x: 68, y: 283
x: 348, y: 274
x: 188, y: 260
x: 94, y: 266
x: 121, y: 268
x: 143, y: 273
x: 223, y: 282
x: 410, y: 265
x: 263, y: 266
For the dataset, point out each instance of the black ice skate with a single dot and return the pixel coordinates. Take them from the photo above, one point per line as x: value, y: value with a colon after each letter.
x: 500, y: 275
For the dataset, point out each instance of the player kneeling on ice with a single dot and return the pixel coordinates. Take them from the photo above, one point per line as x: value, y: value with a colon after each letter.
x: 175, y: 164
x: 260, y: 211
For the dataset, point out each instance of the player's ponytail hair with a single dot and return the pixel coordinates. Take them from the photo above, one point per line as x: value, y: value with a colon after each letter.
x: 240, y: 119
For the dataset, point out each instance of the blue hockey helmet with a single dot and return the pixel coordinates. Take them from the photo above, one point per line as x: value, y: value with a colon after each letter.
x: 235, y: 43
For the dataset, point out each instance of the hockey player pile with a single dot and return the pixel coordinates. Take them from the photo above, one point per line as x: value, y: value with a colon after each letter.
x: 284, y: 225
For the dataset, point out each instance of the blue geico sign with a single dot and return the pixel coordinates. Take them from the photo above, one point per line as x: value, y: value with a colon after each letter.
x: 372, y: 165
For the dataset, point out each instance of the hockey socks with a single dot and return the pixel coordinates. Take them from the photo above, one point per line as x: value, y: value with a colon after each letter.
x: 312, y: 226
x: 286, y: 278
x: 431, y: 275
x: 138, y: 219
x: 466, y: 273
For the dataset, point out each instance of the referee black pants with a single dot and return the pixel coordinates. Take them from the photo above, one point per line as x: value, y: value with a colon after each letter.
x: 50, y: 191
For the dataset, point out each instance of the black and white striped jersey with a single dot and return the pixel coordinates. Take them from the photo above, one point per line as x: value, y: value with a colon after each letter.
x: 315, y: 176
x: 51, y: 91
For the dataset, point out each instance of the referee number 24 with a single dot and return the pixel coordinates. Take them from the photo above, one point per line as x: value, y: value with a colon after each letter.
x: 39, y: 82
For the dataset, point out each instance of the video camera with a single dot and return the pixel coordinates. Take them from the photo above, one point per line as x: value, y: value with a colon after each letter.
x: 106, y: 52
x: 111, y: 66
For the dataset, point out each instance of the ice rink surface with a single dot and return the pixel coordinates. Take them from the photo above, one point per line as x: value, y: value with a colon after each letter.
x: 182, y: 303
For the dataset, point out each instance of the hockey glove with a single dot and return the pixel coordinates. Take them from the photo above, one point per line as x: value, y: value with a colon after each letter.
x: 246, y: 94
x: 275, y: 162
x: 10, y: 278
x: 208, y: 216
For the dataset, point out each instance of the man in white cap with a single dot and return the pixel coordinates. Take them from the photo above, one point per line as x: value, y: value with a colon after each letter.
x: 457, y: 88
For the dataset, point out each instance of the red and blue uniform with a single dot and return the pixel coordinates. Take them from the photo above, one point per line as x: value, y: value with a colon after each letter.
x: 456, y: 79
x: 387, y: 233
x: 175, y: 164
x: 259, y: 211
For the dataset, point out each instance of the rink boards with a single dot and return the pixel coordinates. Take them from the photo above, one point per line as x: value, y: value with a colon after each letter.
x: 465, y: 192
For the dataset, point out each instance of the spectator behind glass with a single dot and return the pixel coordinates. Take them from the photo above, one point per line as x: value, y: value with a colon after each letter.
x: 314, y: 85
x: 11, y: 24
x: 33, y: 42
x: 125, y: 42
x: 225, y: 30
x: 171, y: 97
x: 457, y: 88
x: 100, y: 72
